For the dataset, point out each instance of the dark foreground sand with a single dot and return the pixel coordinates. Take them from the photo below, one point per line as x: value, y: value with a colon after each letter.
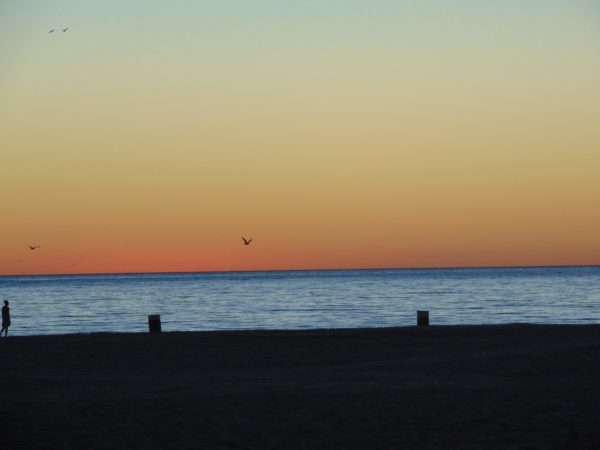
x: 479, y: 387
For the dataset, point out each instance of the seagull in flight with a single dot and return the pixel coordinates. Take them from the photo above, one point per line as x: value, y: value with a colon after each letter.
x: 52, y: 31
x: 33, y: 247
x: 246, y: 241
x: 65, y: 29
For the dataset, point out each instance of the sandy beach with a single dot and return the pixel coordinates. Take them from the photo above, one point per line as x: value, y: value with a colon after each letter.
x: 467, y: 387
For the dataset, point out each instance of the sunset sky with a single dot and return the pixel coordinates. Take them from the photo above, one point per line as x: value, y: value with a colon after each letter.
x: 152, y: 135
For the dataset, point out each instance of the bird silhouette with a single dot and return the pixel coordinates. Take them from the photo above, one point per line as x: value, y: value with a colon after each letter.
x: 51, y: 31
x: 65, y: 29
x: 246, y: 241
x: 33, y: 247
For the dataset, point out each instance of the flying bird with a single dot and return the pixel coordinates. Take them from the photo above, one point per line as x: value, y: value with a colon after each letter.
x: 33, y: 247
x: 52, y: 31
x: 65, y: 29
x: 246, y: 241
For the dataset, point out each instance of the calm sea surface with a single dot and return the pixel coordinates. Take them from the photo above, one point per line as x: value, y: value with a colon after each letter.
x: 300, y: 299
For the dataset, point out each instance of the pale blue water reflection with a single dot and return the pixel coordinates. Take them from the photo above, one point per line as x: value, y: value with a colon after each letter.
x: 301, y: 299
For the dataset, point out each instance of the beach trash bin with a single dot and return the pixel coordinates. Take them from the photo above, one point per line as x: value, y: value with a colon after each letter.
x: 154, y: 323
x: 422, y: 318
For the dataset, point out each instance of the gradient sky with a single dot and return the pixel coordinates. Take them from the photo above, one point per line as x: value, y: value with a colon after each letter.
x: 338, y: 134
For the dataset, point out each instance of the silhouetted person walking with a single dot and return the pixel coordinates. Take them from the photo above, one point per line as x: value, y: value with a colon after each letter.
x: 5, y: 319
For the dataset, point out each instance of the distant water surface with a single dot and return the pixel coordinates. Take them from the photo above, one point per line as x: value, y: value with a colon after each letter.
x: 301, y: 299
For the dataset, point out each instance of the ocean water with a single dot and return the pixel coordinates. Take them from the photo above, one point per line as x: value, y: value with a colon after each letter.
x: 301, y: 299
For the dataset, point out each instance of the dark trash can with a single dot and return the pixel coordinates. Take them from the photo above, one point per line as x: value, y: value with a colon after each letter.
x: 422, y: 318
x: 154, y: 323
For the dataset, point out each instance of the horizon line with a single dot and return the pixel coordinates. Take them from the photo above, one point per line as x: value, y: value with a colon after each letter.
x: 302, y: 270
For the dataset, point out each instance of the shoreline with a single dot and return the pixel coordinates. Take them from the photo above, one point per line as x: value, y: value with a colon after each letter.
x: 458, y: 386
x: 317, y: 331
